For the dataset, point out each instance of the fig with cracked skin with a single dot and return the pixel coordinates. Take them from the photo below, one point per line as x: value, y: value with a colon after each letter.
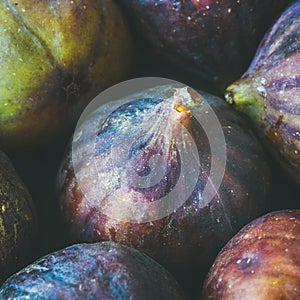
x: 261, y: 262
x: 18, y: 224
x: 269, y: 92
x: 134, y: 176
x: 104, y: 271
x: 216, y: 40
x: 55, y: 57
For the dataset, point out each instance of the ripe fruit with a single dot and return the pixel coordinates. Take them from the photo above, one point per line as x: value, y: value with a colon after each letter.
x: 104, y: 271
x: 214, y: 39
x: 269, y: 91
x: 133, y: 176
x: 55, y: 57
x: 17, y: 220
x: 261, y: 262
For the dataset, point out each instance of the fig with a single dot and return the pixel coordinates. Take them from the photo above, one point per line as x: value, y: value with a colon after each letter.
x: 215, y: 40
x: 260, y: 262
x: 56, y: 56
x: 150, y: 171
x: 18, y: 226
x: 104, y: 271
x: 269, y: 91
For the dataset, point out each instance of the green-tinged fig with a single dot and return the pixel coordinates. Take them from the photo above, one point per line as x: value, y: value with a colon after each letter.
x: 269, y: 92
x: 214, y: 39
x: 17, y: 220
x: 168, y: 171
x: 261, y: 262
x: 100, y: 271
x: 55, y: 57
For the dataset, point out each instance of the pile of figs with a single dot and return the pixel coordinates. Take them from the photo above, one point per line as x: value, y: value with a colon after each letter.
x: 150, y: 149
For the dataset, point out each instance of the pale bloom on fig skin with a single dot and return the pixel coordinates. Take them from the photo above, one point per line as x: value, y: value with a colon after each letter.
x: 93, y: 271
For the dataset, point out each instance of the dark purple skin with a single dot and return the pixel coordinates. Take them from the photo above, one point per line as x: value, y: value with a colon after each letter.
x: 187, y: 240
x: 18, y: 224
x: 215, y: 39
x: 269, y: 91
x: 104, y: 271
x: 261, y: 262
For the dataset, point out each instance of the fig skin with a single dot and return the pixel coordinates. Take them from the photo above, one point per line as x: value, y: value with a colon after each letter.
x: 104, y: 271
x: 260, y: 262
x: 18, y: 224
x: 215, y: 40
x: 55, y: 58
x: 269, y: 91
x: 187, y: 240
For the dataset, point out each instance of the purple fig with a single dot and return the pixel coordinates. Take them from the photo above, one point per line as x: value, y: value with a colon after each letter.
x: 104, y: 271
x: 214, y: 39
x: 269, y: 91
x: 18, y: 226
x: 145, y: 173
x: 261, y: 262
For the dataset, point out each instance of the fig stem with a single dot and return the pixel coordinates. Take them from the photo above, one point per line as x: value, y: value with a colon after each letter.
x: 181, y: 98
x: 247, y: 95
x: 180, y: 108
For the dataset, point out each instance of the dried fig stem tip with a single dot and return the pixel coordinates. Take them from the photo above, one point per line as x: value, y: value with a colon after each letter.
x: 180, y: 108
x: 229, y: 97
x: 181, y: 99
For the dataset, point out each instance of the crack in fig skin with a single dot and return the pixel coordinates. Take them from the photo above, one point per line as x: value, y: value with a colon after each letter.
x: 260, y: 262
x: 187, y: 240
x: 269, y: 91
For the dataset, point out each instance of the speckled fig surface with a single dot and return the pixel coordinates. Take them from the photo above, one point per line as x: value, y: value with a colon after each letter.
x: 215, y: 39
x: 98, y: 201
x: 269, y: 91
x: 18, y: 226
x: 56, y: 56
x: 104, y: 271
x: 261, y: 262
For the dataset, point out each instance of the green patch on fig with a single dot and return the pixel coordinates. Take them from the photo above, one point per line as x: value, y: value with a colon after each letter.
x: 55, y: 57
